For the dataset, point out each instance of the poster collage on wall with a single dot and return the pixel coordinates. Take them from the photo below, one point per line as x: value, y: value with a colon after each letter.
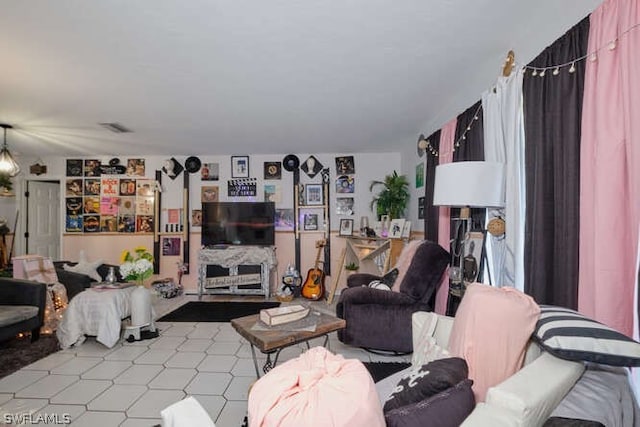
x: 97, y: 202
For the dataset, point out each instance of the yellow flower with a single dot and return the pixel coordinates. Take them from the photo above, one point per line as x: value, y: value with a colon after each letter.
x: 124, y: 255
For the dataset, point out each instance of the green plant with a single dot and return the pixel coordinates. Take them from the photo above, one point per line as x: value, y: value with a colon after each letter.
x: 392, y: 200
x: 352, y: 266
x: 5, y: 182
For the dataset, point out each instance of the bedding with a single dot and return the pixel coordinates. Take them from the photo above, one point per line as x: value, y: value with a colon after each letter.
x: 96, y: 312
x: 603, y: 395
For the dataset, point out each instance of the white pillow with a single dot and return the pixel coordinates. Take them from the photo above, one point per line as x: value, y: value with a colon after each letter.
x: 426, y: 348
x: 86, y: 267
x: 377, y: 284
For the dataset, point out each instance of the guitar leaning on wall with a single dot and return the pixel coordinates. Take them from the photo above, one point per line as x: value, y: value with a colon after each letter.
x: 313, y: 287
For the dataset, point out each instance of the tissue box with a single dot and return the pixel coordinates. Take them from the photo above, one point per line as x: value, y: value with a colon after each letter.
x: 279, y: 315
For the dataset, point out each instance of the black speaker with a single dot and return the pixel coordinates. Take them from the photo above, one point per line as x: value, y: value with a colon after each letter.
x: 291, y: 162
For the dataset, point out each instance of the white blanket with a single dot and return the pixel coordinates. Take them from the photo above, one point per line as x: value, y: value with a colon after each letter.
x: 96, y: 312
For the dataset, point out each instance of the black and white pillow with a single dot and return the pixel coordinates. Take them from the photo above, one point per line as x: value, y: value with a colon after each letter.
x: 386, y: 282
x: 570, y: 335
x: 426, y: 381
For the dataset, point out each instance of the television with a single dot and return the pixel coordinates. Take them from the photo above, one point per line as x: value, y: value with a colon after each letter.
x: 238, y: 223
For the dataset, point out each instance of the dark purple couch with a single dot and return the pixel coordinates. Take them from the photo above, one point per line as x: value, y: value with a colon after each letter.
x: 381, y: 320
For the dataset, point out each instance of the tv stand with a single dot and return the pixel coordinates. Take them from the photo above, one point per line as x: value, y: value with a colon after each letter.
x: 232, y: 257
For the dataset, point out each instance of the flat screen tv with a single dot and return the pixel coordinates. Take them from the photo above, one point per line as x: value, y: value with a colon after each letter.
x: 238, y: 223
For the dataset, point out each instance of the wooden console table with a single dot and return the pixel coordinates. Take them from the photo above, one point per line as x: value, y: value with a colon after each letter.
x: 231, y: 257
x: 374, y: 255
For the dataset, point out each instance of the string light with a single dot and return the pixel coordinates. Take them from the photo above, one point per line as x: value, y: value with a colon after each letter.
x: 540, y: 71
x: 592, y: 56
x: 434, y: 152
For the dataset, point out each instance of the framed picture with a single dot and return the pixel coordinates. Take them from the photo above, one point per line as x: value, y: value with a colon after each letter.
x: 311, y: 221
x: 284, y: 220
x: 272, y: 170
x: 420, y: 207
x: 395, y: 229
x: 345, y: 165
x: 170, y: 246
x: 346, y: 227
x: 239, y: 166
x: 196, y: 218
x: 210, y: 172
x: 313, y: 194
x: 406, y: 230
x: 420, y: 175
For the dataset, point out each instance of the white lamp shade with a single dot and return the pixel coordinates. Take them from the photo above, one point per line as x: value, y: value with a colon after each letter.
x: 472, y: 184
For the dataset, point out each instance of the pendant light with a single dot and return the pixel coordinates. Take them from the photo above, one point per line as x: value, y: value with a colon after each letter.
x: 8, y: 166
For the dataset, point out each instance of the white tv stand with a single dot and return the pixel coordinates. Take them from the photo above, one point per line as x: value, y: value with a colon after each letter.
x: 231, y: 257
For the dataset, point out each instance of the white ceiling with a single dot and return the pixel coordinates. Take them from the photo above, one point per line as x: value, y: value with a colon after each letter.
x: 255, y: 76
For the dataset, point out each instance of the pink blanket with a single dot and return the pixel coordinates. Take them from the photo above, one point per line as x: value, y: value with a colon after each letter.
x: 318, y: 388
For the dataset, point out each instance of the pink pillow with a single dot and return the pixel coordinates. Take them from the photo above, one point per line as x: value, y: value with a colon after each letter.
x: 490, y: 331
x: 318, y: 388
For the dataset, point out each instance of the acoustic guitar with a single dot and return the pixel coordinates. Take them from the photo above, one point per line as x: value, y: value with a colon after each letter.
x: 313, y: 287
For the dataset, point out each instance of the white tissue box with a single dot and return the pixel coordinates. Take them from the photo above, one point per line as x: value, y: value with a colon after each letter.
x: 279, y: 315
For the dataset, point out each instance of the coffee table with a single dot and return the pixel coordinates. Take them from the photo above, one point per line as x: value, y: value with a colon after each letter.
x: 274, y: 340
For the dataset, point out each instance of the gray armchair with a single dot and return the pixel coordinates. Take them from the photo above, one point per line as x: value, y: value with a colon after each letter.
x: 22, y: 305
x: 381, y: 320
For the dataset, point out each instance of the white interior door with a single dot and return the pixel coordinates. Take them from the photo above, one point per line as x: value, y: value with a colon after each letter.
x: 43, y: 219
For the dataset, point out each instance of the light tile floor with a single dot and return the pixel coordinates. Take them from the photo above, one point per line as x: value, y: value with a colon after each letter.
x: 128, y: 385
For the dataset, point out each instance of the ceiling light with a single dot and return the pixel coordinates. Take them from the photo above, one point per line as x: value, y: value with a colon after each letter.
x: 8, y: 166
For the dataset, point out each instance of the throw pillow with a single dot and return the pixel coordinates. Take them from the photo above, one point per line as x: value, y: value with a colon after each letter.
x: 425, y: 347
x: 448, y: 408
x: 490, y: 331
x: 390, y: 277
x: 426, y: 381
x: 570, y: 335
x: 85, y: 267
x: 377, y: 284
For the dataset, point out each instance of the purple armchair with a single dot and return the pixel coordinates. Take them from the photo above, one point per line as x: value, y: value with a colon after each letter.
x: 381, y: 320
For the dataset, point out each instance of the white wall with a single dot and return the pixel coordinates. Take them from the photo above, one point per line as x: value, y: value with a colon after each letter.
x: 368, y: 167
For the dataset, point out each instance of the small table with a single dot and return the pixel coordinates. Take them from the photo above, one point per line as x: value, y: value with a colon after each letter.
x: 274, y: 340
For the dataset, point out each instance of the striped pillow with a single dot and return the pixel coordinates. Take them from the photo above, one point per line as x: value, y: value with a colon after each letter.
x: 570, y: 335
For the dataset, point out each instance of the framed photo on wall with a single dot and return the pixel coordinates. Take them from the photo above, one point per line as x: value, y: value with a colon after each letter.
x: 311, y: 222
x: 313, y: 194
x: 346, y: 227
x: 239, y: 166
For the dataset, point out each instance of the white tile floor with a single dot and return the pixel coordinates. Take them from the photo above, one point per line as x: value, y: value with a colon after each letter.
x: 128, y: 385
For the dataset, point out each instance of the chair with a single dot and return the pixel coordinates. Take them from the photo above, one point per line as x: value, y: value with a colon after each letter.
x: 381, y: 320
x: 22, y: 307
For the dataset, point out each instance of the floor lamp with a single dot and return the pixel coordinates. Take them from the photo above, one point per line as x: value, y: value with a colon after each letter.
x: 467, y: 185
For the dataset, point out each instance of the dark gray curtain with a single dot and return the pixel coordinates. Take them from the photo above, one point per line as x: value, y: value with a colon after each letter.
x: 552, y: 118
x: 470, y: 149
x: 430, y: 211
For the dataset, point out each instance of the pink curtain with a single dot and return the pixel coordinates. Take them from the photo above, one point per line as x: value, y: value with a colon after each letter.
x: 610, y: 166
x: 445, y: 155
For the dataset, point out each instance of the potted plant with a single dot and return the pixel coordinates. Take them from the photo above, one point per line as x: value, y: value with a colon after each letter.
x: 352, y: 266
x: 5, y: 185
x: 393, y: 198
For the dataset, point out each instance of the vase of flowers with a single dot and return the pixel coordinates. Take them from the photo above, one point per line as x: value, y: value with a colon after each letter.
x: 137, y: 266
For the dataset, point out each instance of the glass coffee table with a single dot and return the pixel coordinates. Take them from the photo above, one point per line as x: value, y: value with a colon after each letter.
x: 270, y: 340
